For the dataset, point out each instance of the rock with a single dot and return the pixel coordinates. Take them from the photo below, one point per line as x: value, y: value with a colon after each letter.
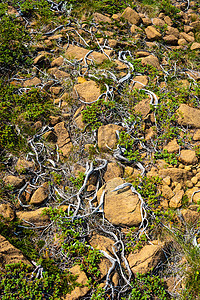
x: 14, y: 181
x: 54, y: 120
x: 59, y: 74
x: 78, y: 118
x: 171, y: 40
x: 149, y: 134
x: 75, y: 52
x: 35, y: 217
x: 101, y: 242
x: 167, y: 180
x: 7, y: 212
x: 147, y: 258
x: 141, y: 81
x: 143, y: 107
x: 50, y: 136
x: 158, y: 22
x: 188, y: 157
x: 187, y: 37
x: 193, y: 194
x: 168, y: 20
x: 188, y: 116
x: 57, y: 62
x: 32, y: 82
x: 122, y: 207
x: 146, y: 21
x: 152, y: 61
x: 40, y: 60
x: 195, y: 46
x: 172, y: 146
x: 37, y: 125
x: 135, y: 29
x: 182, y: 42
x: 88, y: 91
x: 172, y: 31
x: 196, y: 136
x: 9, y: 254
x: 23, y: 165
x: 81, y: 290
x: 195, y: 25
x: 167, y: 191
x: 190, y: 216
x: 175, y: 202
x: 63, y: 139
x: 107, y: 136
x: 113, y: 170
x: 187, y: 28
x: 56, y: 90
x: 101, y: 18
x: 41, y: 194
x: 152, y: 33
x: 175, y: 174
x: 131, y: 16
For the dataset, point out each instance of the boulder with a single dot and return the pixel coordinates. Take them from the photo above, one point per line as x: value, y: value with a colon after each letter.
x: 32, y: 82
x: 152, y: 61
x: 101, y: 242
x: 122, y: 207
x: 191, y: 216
x: 107, y: 136
x: 158, y: 22
x: 187, y: 37
x: 9, y: 254
x: 172, y: 146
x: 57, y: 62
x: 88, y: 91
x: 166, y: 191
x: 193, y: 194
x: 176, y: 201
x: 14, y: 181
x: 196, y: 136
x: 81, y: 290
x: 176, y: 174
x: 172, y: 31
x: 36, y: 217
x: 7, y: 212
x: 131, y: 16
x: 75, y: 52
x: 101, y: 18
x: 152, y: 33
x: 63, y: 139
x: 41, y: 194
x: 143, y: 79
x: 143, y: 107
x: 24, y: 165
x: 171, y: 40
x: 113, y: 170
x: 188, y: 157
x: 188, y: 116
x: 195, y: 46
x: 147, y: 258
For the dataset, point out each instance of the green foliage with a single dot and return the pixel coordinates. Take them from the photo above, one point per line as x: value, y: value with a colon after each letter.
x: 19, y: 237
x: 16, y: 109
x: 13, y: 48
x: 170, y: 158
x: 147, y: 287
x: 169, y: 9
x: 78, y: 181
x: 56, y: 177
x: 97, y: 113
x: 16, y: 283
x: 127, y: 142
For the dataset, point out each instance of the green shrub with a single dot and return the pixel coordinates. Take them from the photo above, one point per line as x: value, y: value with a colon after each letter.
x: 13, y: 44
x: 16, y: 283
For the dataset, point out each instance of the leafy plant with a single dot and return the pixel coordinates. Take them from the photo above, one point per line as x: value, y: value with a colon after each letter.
x: 170, y: 158
x: 147, y: 287
x: 16, y: 283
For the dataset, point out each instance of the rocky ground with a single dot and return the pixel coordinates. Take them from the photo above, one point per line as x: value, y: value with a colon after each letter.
x: 100, y: 153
